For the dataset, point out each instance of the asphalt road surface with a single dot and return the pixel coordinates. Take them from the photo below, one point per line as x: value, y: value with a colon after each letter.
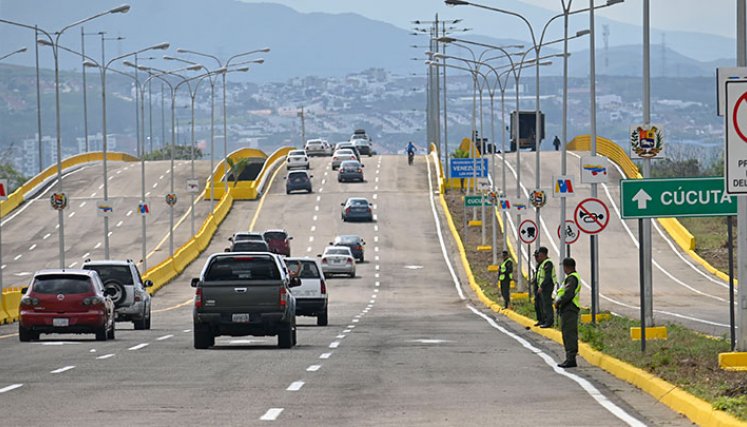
x: 683, y: 291
x: 30, y: 233
x: 402, y: 346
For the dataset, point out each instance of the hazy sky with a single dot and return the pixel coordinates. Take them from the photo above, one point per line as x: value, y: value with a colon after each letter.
x: 704, y: 16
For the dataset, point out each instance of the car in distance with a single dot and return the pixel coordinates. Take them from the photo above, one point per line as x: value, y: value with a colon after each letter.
x: 298, y: 181
x: 341, y: 156
x: 362, y: 142
x: 311, y: 296
x: 352, y: 241
x: 297, y: 159
x: 350, y: 170
x: 126, y: 289
x: 347, y: 145
x: 278, y: 241
x: 244, y: 293
x: 246, y: 235
x: 66, y: 302
x: 317, y: 147
x: 356, y: 209
x: 249, y: 246
x: 337, y: 260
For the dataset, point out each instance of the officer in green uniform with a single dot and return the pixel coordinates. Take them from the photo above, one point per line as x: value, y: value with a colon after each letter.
x: 505, y: 276
x: 567, y: 303
x: 546, y: 280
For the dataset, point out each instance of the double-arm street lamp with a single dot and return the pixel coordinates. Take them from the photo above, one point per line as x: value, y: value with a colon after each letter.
x: 52, y: 39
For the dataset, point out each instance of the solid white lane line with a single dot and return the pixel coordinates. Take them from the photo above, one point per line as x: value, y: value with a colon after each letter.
x: 73, y: 264
x: 98, y: 245
x: 313, y: 368
x: 10, y: 387
x: 295, y: 386
x: 325, y: 355
x: 19, y: 256
x: 32, y: 247
x: 85, y: 255
x: 272, y: 414
x: 119, y: 224
x: 61, y: 370
x: 336, y: 344
x: 585, y: 384
x: 46, y: 236
x: 165, y: 337
x: 105, y: 356
x: 138, y: 347
x: 83, y: 204
x: 72, y: 214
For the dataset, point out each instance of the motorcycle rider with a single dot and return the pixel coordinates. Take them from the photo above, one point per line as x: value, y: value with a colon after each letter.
x: 410, y: 151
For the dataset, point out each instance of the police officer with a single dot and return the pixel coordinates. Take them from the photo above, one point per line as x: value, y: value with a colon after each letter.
x: 567, y: 303
x: 505, y: 276
x: 546, y: 280
x: 535, y: 292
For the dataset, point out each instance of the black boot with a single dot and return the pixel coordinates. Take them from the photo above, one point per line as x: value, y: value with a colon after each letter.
x: 568, y: 364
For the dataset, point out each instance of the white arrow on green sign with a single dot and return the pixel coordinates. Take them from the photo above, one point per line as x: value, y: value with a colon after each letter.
x: 476, y: 201
x: 675, y: 197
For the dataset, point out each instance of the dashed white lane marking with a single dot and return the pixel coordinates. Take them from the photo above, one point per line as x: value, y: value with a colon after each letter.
x: 376, y: 258
x: 325, y: 355
x: 316, y: 208
x: 138, y: 347
x: 308, y: 249
x: 375, y: 196
x: 19, y: 256
x: 111, y: 178
x: 376, y: 275
x: 161, y: 177
x: 313, y: 368
x: 61, y: 370
x: 98, y: 245
x: 376, y: 249
x: 119, y: 172
x: 187, y: 330
x: 311, y: 238
x: 165, y: 337
x: 32, y: 247
x: 272, y: 414
x: 147, y: 194
x: 10, y: 387
x: 101, y: 186
x: 129, y: 213
x: 72, y: 214
x: 167, y: 171
x: 377, y: 267
x: 105, y: 356
x: 335, y: 344
x: 73, y: 264
x: 376, y: 228
x: 376, y: 188
x: 376, y: 239
x: 313, y: 228
x: 341, y: 336
x: 324, y: 181
x: 351, y: 326
x: 377, y: 171
x: 356, y: 320
x: 377, y: 179
x: 110, y: 233
x: 315, y: 218
x: 119, y: 224
x: 57, y: 226
x: 93, y: 194
x: 377, y: 284
x: 346, y: 331
x: 3, y: 267
x: 358, y: 316
x: 321, y: 190
x: 83, y: 204
x: 318, y: 198
x: 372, y: 301
x: 295, y: 386
x: 85, y: 255
x: 155, y: 185
x: 375, y: 217
x: 46, y: 236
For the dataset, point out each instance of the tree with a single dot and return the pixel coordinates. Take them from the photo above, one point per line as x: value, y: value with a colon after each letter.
x: 14, y: 177
x: 237, y: 167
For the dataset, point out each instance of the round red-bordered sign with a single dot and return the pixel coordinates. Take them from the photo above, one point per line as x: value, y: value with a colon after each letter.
x: 572, y: 233
x: 528, y: 231
x: 737, y: 129
x: 591, y: 216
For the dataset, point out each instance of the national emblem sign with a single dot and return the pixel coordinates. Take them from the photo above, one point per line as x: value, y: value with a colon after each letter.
x: 646, y: 141
x: 538, y: 198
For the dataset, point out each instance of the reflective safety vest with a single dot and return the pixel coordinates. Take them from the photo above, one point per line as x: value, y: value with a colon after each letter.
x: 504, y: 268
x: 576, y: 297
x: 541, y: 273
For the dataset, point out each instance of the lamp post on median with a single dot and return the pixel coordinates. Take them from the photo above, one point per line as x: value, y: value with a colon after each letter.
x: 52, y: 40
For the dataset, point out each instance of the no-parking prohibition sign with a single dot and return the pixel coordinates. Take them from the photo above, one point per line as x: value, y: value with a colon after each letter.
x: 591, y: 216
x: 528, y: 231
x: 736, y: 137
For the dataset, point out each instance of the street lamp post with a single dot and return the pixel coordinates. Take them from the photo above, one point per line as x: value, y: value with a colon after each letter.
x: 52, y: 40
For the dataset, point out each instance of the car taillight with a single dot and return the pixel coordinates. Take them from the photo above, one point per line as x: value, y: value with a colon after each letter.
x: 359, y: 248
x: 347, y: 210
x: 198, y: 298
x: 29, y: 301
x: 97, y: 300
x: 335, y: 158
x: 138, y: 297
x: 323, y: 287
x: 350, y: 261
x: 360, y: 170
x: 324, y: 260
x: 283, y: 296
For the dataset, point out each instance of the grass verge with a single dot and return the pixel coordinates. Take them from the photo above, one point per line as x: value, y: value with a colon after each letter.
x: 711, y: 240
x: 687, y: 359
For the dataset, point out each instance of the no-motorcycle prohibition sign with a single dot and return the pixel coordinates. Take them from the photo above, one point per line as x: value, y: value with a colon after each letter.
x: 591, y: 216
x: 736, y: 137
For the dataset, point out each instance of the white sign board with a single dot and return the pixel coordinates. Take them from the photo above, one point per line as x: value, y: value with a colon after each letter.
x: 591, y: 216
x: 563, y: 186
x: 3, y: 189
x: 483, y: 184
x: 594, y: 170
x: 736, y: 137
x: 104, y: 208
x: 505, y: 204
x: 646, y: 141
x: 193, y: 186
x: 724, y: 74
x: 520, y: 206
x: 572, y: 233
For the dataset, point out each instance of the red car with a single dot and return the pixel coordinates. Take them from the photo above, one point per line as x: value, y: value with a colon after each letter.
x: 66, y: 302
x: 278, y: 241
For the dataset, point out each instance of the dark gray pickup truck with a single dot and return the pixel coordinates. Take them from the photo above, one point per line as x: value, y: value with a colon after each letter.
x: 244, y: 293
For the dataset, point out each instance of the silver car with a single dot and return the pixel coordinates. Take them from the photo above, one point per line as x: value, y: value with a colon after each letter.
x: 341, y: 156
x: 123, y: 283
x: 337, y: 260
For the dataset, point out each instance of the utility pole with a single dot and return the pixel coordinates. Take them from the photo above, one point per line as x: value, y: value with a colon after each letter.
x: 742, y: 200
x: 303, y: 126
x: 645, y: 224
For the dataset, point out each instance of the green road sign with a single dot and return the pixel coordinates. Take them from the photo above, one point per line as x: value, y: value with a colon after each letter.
x: 675, y: 197
x: 476, y: 201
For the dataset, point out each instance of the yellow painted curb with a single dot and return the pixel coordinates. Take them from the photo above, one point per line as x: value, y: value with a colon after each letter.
x: 653, y: 333
x: 484, y: 248
x: 475, y: 223
x: 586, y: 318
x: 520, y: 295
x: 493, y: 268
x: 736, y: 361
x: 697, y: 410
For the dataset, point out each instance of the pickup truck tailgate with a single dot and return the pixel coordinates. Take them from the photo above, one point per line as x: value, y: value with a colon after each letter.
x: 241, y: 296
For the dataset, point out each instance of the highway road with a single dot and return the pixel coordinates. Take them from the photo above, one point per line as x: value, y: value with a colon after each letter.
x: 683, y: 291
x: 407, y: 343
x: 30, y: 239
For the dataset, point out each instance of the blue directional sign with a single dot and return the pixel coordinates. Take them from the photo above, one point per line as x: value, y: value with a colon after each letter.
x: 464, y: 168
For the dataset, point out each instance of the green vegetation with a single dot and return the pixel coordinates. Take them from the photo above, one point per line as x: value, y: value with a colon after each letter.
x: 181, y: 152
x: 9, y: 172
x: 237, y: 167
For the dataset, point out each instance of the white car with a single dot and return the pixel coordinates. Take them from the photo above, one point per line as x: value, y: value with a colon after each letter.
x: 337, y: 260
x: 311, y: 296
x: 297, y: 159
x: 317, y: 147
x: 341, y: 156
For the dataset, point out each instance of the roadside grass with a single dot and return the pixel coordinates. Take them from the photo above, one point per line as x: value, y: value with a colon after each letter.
x: 711, y: 240
x: 686, y: 359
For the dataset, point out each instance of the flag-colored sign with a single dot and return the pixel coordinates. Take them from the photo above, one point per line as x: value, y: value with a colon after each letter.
x: 563, y: 186
x: 143, y: 208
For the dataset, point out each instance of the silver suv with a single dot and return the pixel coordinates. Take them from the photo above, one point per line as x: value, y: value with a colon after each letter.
x: 127, y: 289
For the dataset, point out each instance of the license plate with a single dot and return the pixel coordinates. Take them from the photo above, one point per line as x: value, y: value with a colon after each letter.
x: 60, y: 322
x: 240, y: 318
